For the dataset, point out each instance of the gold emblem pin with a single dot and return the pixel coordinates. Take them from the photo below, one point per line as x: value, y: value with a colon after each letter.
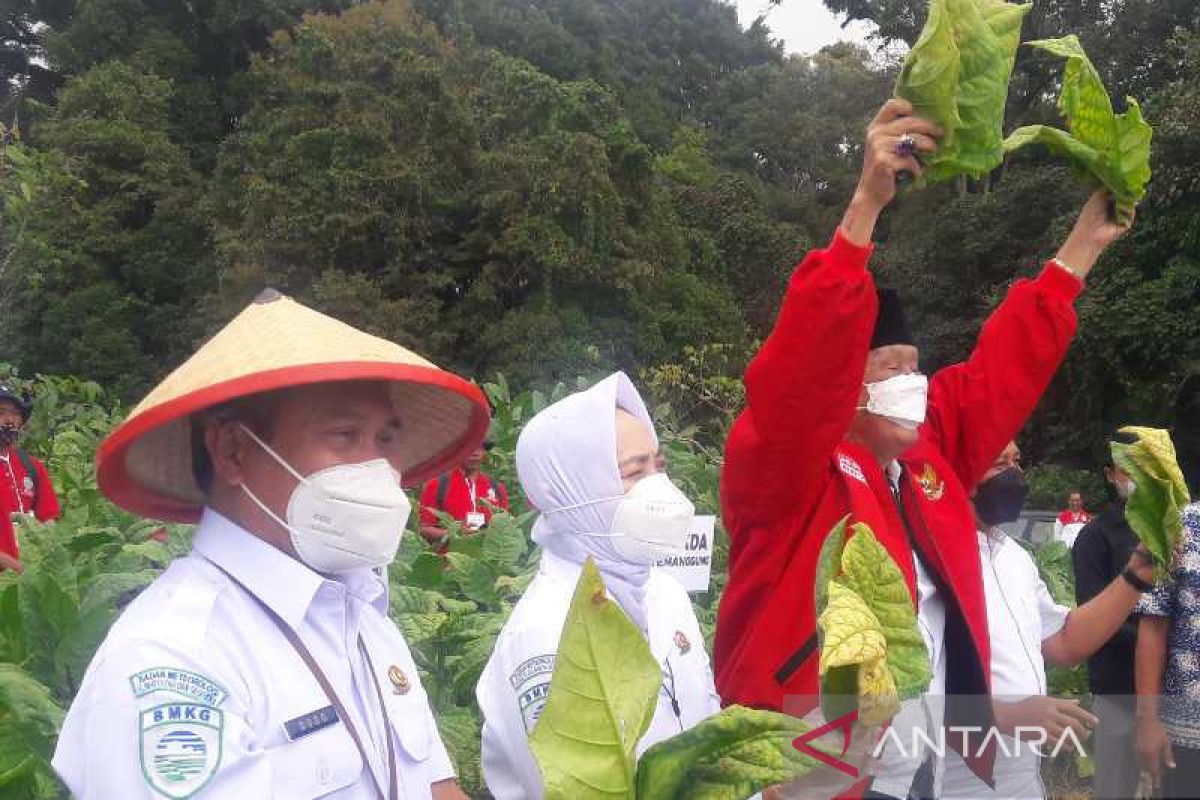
x: 399, y: 679
x: 681, y: 641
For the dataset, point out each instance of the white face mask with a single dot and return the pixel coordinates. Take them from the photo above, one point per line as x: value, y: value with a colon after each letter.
x: 651, y: 519
x: 1125, y: 488
x: 344, y: 517
x: 900, y: 398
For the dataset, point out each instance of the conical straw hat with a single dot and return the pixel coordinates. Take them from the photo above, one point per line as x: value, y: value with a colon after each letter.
x: 145, y: 465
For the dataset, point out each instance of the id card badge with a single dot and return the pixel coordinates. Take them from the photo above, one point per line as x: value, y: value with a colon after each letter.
x: 476, y: 520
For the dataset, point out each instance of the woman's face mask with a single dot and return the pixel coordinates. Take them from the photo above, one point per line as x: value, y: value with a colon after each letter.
x: 651, y: 520
x: 900, y: 398
x: 344, y: 517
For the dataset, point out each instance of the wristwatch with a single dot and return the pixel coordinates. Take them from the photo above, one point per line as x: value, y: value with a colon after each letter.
x: 1133, y: 580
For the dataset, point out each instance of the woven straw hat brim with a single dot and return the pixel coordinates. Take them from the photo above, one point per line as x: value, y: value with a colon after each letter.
x: 145, y: 465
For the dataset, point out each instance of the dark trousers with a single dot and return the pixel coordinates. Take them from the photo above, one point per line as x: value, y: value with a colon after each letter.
x: 1183, y: 782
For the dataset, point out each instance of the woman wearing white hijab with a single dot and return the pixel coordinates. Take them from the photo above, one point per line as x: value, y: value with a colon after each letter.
x: 590, y: 464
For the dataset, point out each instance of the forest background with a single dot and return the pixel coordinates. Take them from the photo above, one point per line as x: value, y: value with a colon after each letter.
x: 549, y: 189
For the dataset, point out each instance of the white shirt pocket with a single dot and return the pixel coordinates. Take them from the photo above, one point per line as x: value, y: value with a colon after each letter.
x: 316, y: 765
x: 409, y: 716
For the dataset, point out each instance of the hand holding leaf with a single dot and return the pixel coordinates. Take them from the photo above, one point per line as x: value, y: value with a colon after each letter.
x: 1160, y: 494
x: 1110, y: 150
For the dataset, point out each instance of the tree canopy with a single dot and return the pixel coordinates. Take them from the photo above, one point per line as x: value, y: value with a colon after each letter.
x: 548, y: 188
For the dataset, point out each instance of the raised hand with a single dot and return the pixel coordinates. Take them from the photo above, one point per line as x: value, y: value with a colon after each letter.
x: 893, y: 140
x: 1094, y: 231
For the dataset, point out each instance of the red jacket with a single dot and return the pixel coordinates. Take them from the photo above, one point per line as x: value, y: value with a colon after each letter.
x: 790, y: 475
x: 490, y: 494
x: 17, y: 495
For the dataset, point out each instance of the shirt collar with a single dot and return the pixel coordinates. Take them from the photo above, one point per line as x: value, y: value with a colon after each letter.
x: 282, y: 583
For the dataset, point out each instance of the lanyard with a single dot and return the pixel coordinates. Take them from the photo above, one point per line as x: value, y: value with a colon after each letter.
x: 294, y: 640
x: 473, y: 490
x: 17, y: 489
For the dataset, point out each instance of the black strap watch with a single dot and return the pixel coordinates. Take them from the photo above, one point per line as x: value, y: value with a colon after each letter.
x: 1133, y: 580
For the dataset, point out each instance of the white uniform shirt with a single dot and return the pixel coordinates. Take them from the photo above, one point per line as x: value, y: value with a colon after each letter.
x: 189, y: 694
x: 896, y: 766
x: 1021, y: 614
x: 513, y: 687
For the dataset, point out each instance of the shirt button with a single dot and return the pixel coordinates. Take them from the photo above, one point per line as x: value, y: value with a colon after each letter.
x: 324, y: 774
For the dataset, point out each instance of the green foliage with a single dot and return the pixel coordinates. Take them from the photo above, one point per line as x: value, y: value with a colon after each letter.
x: 1051, y: 484
x: 870, y: 644
x: 79, y: 573
x: 957, y: 76
x: 1159, y: 494
x: 601, y: 701
x: 602, y: 697
x: 1112, y: 150
x: 728, y: 756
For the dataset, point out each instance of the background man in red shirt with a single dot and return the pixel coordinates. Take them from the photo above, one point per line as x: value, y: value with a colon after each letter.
x: 1071, y: 522
x: 25, y: 486
x: 466, y: 493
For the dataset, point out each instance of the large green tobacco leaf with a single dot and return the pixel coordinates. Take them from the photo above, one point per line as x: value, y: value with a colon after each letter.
x: 869, y: 570
x: 872, y: 652
x: 957, y: 76
x: 729, y: 756
x: 829, y: 563
x: 852, y: 639
x: 29, y: 719
x: 1159, y: 494
x: 602, y: 697
x: 1110, y: 150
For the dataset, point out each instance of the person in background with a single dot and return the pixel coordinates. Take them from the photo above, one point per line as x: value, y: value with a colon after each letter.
x: 1027, y: 629
x: 1167, y: 663
x: 591, y: 465
x: 25, y: 487
x: 466, y: 493
x: 1100, y: 554
x: 1071, y: 522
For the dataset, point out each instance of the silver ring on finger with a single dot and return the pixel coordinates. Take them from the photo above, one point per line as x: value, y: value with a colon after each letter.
x: 907, y: 146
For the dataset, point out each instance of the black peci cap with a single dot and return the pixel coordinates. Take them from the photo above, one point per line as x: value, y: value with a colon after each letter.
x: 891, y: 325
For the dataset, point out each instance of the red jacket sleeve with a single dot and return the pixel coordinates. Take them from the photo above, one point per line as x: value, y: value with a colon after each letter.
x: 429, y: 502
x: 47, y: 501
x: 501, y: 496
x: 976, y: 408
x: 802, y: 386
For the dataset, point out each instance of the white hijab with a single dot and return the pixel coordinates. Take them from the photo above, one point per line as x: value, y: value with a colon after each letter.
x: 567, y: 463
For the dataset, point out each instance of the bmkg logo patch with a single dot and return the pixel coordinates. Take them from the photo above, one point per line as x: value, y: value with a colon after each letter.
x: 181, y: 747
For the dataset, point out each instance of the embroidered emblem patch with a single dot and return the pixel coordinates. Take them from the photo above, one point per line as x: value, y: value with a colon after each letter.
x: 930, y: 484
x: 850, y: 467
x: 531, y: 681
x: 681, y: 641
x: 181, y: 747
x: 177, y: 681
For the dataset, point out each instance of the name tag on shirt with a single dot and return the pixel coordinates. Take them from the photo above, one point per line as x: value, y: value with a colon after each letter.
x: 311, y: 722
x: 476, y: 519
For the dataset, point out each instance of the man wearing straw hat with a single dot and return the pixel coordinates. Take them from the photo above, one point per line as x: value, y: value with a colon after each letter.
x: 263, y: 664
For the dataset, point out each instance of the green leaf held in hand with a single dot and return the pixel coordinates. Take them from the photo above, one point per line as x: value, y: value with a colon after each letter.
x: 1159, y: 494
x: 1109, y: 149
x: 957, y: 76
x: 729, y: 756
x: 872, y: 652
x: 602, y: 697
